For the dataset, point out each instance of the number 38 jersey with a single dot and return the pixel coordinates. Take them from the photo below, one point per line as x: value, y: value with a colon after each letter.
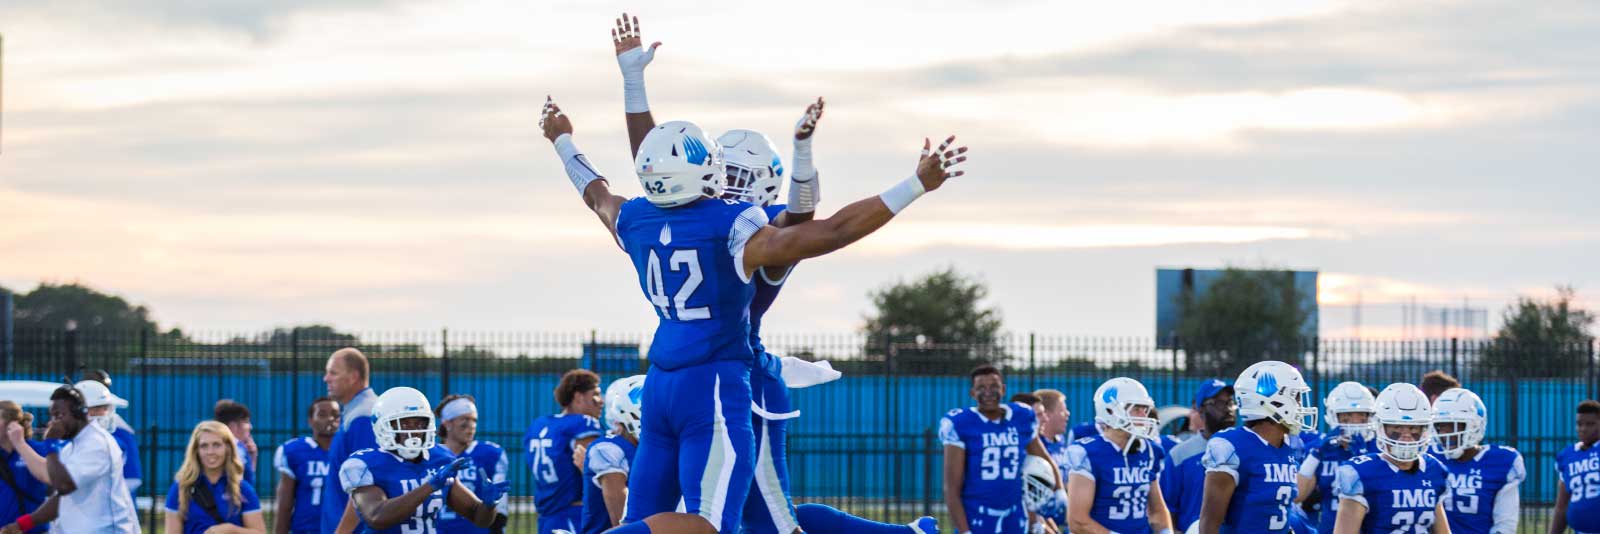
x: 1121, y: 481
x: 1579, y: 469
x: 690, y: 261
x: 1265, y: 476
x: 1400, y: 502
x: 995, y: 451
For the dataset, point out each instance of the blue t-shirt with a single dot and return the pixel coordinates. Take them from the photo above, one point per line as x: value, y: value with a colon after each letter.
x: 355, y: 433
x: 302, y: 460
x: 1122, y: 482
x: 549, y: 443
x: 690, y: 261
x: 1475, y: 482
x: 130, y: 457
x: 1183, y: 481
x: 995, y: 450
x: 1397, y: 502
x: 1322, y: 465
x: 489, y: 467
x: 33, y: 491
x: 610, y: 454
x: 1579, y: 469
x: 196, y: 520
x: 396, y: 476
x: 1082, y: 430
x: 249, y: 464
x: 1266, y: 480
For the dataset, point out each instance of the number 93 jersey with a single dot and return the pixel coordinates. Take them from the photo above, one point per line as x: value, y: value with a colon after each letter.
x: 1399, y: 502
x: 1121, y: 481
x: 396, y: 476
x: 1579, y: 469
x: 690, y: 261
x: 995, y: 450
x: 1265, y: 478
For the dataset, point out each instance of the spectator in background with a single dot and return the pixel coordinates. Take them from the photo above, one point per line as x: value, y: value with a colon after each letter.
x: 1183, y: 477
x: 19, y: 491
x: 103, y: 412
x: 1053, y: 418
x: 1437, y: 382
x: 101, y: 376
x: 237, y: 417
x: 348, y: 377
x: 84, y: 468
x: 209, y: 490
x: 485, y: 477
x: 303, y: 469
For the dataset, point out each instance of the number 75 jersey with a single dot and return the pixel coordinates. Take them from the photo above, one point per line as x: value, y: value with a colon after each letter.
x: 995, y: 451
x: 690, y: 261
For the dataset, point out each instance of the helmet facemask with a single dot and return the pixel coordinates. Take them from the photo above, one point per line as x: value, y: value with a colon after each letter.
x: 1403, y: 441
x: 408, y: 435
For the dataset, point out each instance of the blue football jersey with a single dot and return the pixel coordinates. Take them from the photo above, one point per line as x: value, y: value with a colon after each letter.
x: 305, y: 462
x: 355, y: 433
x: 1323, y: 464
x: 1057, y: 447
x: 1183, y: 481
x: 489, y: 466
x: 1265, y: 475
x: 690, y: 261
x: 397, y: 476
x: 1397, y: 502
x: 995, y: 451
x: 607, y: 455
x: 130, y: 457
x: 1122, y: 482
x: 549, y: 442
x: 1579, y: 469
x: 34, y: 491
x: 1475, y: 482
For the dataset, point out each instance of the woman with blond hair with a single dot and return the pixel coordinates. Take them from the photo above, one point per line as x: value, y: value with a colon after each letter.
x: 209, y: 494
x: 21, y: 492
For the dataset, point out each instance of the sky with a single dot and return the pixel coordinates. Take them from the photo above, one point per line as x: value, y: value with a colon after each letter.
x: 376, y: 164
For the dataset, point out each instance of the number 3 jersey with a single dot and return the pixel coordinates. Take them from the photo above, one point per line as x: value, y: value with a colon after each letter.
x: 1397, y: 501
x: 1579, y: 469
x: 1483, y: 490
x: 1265, y: 477
x: 994, y: 452
x: 397, y: 476
x: 690, y: 261
x: 1121, y: 481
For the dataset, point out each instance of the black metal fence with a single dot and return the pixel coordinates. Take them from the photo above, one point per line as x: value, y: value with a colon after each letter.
x: 864, y: 443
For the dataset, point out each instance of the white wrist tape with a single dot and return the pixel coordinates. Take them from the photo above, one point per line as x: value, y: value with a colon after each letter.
x: 804, y: 191
x: 901, y: 195
x: 632, y: 63
x: 578, y: 168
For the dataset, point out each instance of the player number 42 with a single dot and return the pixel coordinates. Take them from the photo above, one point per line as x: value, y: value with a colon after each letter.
x: 655, y: 284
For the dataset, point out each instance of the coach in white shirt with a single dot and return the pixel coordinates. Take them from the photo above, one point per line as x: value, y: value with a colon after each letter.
x: 85, y: 470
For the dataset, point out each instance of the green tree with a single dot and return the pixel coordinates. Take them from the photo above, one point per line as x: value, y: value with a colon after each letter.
x: 1541, y: 338
x: 54, y: 307
x: 935, y: 324
x: 1243, y: 317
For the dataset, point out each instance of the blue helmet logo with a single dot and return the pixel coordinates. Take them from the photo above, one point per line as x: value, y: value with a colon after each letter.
x: 1109, y: 396
x: 695, y: 151
x: 1267, y: 385
x: 636, y: 395
x: 777, y: 166
x: 1481, y: 411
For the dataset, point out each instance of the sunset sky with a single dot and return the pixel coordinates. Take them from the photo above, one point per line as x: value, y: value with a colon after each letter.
x: 376, y: 164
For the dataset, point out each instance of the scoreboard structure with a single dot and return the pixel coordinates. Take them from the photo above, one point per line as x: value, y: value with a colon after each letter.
x: 1173, y: 284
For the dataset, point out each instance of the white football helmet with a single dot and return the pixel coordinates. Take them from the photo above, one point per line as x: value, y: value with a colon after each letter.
x: 1457, y: 406
x: 397, y: 404
x: 96, y: 394
x: 1403, y: 405
x: 623, y: 398
x: 1275, y: 391
x: 1114, y: 399
x: 1038, y: 482
x: 1350, y: 397
x: 755, y: 171
x: 677, y: 164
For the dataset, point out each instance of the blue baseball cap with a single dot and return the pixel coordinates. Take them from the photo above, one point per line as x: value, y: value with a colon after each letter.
x: 1210, y: 387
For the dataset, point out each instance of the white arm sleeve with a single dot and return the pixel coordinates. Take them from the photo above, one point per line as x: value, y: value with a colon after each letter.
x: 606, y: 458
x: 577, y: 165
x: 1220, y: 457
x: 1078, y: 462
x: 947, y: 433
x: 750, y: 221
x: 1347, y: 485
x: 1508, y: 501
x: 1308, y: 468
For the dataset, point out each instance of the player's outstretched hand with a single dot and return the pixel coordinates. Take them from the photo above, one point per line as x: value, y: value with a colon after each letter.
x: 936, y: 166
x: 808, y: 122
x: 553, y: 121
x: 631, y: 54
x: 443, y: 476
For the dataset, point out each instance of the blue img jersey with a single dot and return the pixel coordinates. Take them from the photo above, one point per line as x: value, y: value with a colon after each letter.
x: 607, y: 455
x: 397, y: 476
x: 549, y: 443
x: 1266, y: 480
x: 1057, y: 447
x: 130, y: 457
x: 303, y: 461
x: 1183, y: 481
x: 690, y: 261
x: 1398, y: 502
x: 1579, y: 469
x: 355, y: 433
x: 995, y: 451
x: 489, y: 467
x: 1475, y: 484
x: 1323, y: 464
x: 34, y: 492
x: 1122, y: 482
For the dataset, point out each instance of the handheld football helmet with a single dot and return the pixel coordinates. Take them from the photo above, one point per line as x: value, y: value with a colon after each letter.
x: 1403, y: 405
x: 1350, y: 397
x: 1467, y: 417
x: 395, y: 405
x: 1113, y: 403
x: 755, y: 171
x: 1038, y: 482
x: 677, y: 164
x: 623, y: 403
x: 1275, y: 391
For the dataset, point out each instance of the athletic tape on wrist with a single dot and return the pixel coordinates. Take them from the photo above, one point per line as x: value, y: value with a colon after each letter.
x: 902, y: 194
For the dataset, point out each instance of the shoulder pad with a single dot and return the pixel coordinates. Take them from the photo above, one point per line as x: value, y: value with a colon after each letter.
x: 953, y: 413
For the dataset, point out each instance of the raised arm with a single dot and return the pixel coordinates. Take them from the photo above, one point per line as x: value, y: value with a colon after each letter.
x: 633, y: 57
x: 36, y: 464
x: 784, y: 246
x: 803, y: 185
x: 596, y: 190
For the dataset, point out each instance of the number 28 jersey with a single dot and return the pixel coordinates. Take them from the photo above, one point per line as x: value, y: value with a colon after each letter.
x: 690, y: 261
x: 1265, y: 476
x: 995, y: 452
x: 1398, y: 502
